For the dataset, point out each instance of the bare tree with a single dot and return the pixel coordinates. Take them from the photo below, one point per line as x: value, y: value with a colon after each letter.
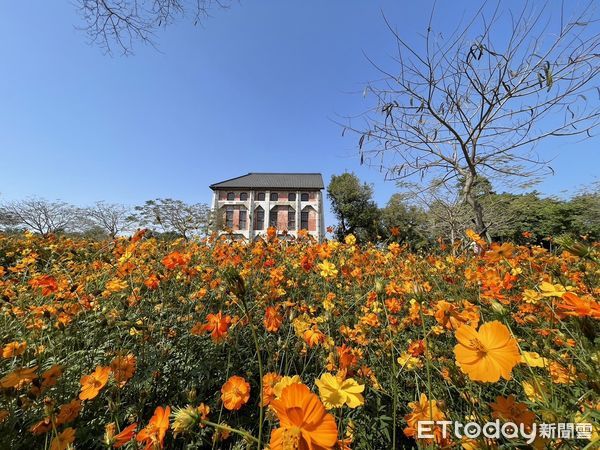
x: 40, y: 215
x: 473, y: 104
x: 121, y: 22
x: 174, y: 216
x: 111, y: 218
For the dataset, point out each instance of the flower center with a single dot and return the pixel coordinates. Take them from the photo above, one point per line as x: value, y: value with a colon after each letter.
x: 291, y: 438
x: 477, y: 345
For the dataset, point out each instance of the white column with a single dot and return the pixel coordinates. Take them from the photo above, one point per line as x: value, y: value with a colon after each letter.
x: 251, y: 216
x: 214, y: 210
x: 320, y: 217
x: 298, y: 206
x: 318, y: 214
x: 267, y: 222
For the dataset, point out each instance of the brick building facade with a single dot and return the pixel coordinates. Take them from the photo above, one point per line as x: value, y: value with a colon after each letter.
x: 250, y: 204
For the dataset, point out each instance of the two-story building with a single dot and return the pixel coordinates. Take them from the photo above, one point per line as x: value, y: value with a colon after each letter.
x: 248, y: 205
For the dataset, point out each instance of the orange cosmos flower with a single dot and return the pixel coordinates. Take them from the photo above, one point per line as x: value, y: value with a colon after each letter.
x: 572, y: 305
x: 18, y: 377
x: 176, y: 259
x: 561, y: 374
x: 62, y: 440
x: 92, y: 384
x: 217, y: 325
x: 304, y: 422
x: 41, y: 427
x: 68, y: 412
x: 268, y: 383
x: 152, y: 282
x: 487, y: 354
x: 273, y: 319
x: 346, y: 357
x: 506, y: 408
x: 271, y: 233
x: 124, y: 436
x: 154, y: 433
x: 118, y: 440
x: 422, y: 410
x: 450, y: 317
x: 50, y: 376
x: 47, y: 283
x: 123, y: 368
x: 14, y: 348
x: 313, y: 336
x: 235, y: 393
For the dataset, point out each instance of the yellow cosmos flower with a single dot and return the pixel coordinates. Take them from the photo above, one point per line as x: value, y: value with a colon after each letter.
x: 553, y: 290
x: 409, y: 362
x: 534, y: 390
x: 486, y: 354
x: 328, y: 269
x: 531, y: 296
x: 533, y: 359
x: 350, y: 239
x: 285, y: 382
x: 335, y: 392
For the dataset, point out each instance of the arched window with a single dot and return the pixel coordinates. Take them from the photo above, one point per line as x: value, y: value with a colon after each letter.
x: 304, y: 196
x: 292, y: 197
x: 260, y: 197
x: 230, y: 196
x: 274, y: 196
x: 259, y: 218
x: 244, y: 196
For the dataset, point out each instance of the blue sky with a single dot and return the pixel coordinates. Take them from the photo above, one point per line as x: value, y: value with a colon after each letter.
x: 254, y: 88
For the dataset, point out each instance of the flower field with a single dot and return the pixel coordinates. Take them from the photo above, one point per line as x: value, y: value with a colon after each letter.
x: 146, y: 343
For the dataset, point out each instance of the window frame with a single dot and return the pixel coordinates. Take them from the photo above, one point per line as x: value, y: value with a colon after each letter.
x: 304, y: 221
x: 291, y: 219
x: 259, y: 218
x: 228, y: 218
x: 244, y: 195
x: 242, y: 215
x: 232, y: 195
x: 274, y: 196
x: 259, y: 194
x: 291, y: 196
x: 304, y: 197
x: 274, y: 212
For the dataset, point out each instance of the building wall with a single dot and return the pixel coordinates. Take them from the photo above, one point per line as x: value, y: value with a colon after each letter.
x: 314, y: 206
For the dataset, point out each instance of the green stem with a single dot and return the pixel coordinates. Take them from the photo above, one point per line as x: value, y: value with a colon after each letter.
x: 260, y: 373
x: 219, y: 426
x: 392, y: 377
x: 426, y: 360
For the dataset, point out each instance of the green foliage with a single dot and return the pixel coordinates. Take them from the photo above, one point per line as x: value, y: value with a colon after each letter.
x: 354, y: 207
x: 409, y: 222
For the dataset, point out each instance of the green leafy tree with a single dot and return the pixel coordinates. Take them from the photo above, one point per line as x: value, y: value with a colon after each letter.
x: 353, y: 205
x: 403, y: 222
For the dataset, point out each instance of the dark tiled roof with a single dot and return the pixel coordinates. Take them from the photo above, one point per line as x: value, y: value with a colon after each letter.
x: 273, y: 180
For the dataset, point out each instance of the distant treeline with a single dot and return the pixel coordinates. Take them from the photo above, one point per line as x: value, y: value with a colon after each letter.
x: 165, y: 217
x: 520, y: 218
x: 421, y: 221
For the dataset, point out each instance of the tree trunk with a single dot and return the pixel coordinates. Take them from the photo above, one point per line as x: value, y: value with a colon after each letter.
x: 471, y: 199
